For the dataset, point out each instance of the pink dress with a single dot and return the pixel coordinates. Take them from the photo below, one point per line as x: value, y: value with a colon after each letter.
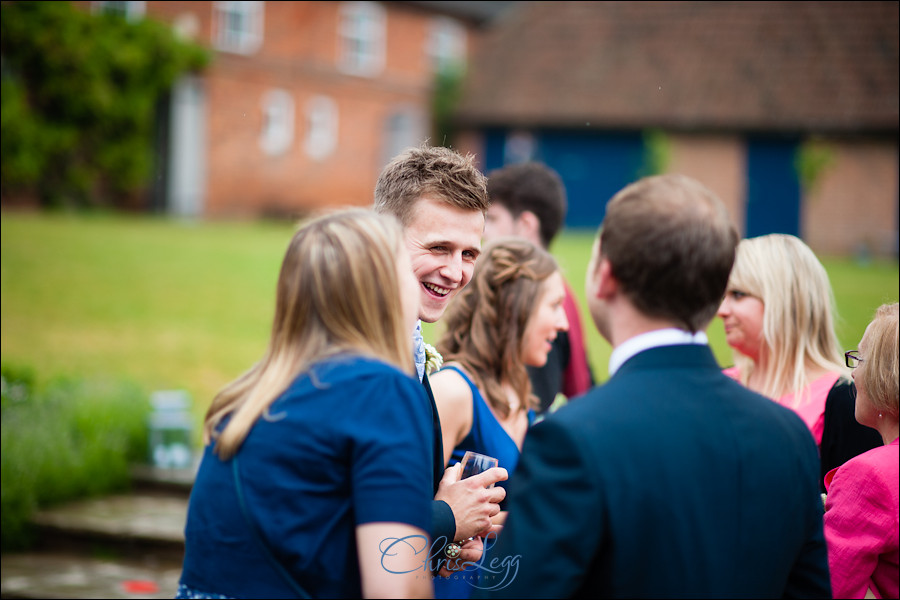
x: 861, y: 524
x: 813, y: 410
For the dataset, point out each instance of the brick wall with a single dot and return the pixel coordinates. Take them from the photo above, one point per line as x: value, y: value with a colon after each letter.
x: 300, y: 56
x: 853, y: 208
x: 717, y: 161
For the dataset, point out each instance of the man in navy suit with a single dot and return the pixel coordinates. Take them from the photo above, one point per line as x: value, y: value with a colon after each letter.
x: 670, y: 480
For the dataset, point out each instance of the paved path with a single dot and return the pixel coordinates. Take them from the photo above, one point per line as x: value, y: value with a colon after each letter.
x: 122, y: 546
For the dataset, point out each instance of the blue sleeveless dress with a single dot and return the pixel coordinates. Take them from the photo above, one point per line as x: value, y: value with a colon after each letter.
x: 487, y: 436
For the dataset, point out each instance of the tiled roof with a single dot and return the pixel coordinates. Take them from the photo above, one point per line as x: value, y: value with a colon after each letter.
x: 476, y: 11
x: 778, y: 66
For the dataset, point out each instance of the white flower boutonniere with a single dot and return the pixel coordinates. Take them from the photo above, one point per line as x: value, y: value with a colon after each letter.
x: 433, y: 359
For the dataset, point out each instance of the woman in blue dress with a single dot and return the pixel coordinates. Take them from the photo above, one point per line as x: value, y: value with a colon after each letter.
x: 504, y: 320
x: 315, y: 479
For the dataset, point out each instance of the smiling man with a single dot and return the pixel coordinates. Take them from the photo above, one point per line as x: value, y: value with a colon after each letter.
x: 443, y: 242
x: 441, y: 198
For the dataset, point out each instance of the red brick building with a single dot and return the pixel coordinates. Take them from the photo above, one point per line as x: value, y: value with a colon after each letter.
x: 303, y: 103
x: 306, y: 101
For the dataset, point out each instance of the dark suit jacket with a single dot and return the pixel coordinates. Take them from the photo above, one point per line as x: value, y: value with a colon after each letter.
x: 671, y: 480
x: 443, y: 524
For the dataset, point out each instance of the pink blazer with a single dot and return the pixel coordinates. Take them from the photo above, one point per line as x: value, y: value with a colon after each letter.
x: 861, y: 524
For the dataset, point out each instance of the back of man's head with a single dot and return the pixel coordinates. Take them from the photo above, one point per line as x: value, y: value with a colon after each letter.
x: 671, y: 245
x: 534, y: 187
x: 433, y: 171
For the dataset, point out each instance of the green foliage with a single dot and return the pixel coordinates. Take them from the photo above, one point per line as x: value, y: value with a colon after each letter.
x: 447, y: 90
x: 657, y: 153
x: 812, y: 159
x: 78, y: 100
x: 74, y: 438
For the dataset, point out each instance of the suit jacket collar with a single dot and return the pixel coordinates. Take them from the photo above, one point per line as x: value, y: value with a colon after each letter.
x: 652, y: 339
x: 691, y: 356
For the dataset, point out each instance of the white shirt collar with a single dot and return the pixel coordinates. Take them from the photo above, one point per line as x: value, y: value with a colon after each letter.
x: 652, y: 339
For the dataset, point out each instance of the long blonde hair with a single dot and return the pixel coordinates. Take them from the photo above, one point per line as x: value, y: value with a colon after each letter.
x: 798, y: 314
x: 338, y: 291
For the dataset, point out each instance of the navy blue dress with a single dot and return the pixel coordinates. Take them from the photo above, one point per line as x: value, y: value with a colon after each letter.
x: 488, y: 437
x: 346, y: 444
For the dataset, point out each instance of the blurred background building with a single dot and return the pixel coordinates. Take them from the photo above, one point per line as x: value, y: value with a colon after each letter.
x: 303, y: 102
x: 788, y: 110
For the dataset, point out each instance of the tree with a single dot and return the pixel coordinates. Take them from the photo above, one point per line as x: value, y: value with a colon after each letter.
x: 79, y: 92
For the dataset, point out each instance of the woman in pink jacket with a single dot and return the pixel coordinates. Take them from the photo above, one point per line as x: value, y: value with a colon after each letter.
x: 861, y: 509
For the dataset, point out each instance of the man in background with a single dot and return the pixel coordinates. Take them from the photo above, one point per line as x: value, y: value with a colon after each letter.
x: 529, y: 200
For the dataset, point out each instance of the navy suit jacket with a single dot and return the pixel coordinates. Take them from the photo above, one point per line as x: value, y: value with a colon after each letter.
x: 443, y: 523
x: 671, y: 480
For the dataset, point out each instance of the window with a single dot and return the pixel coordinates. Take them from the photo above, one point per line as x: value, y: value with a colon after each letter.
x: 321, y: 127
x: 446, y: 44
x: 362, y: 38
x: 238, y: 26
x: 277, y: 133
x: 519, y: 147
x: 404, y: 128
x: 132, y: 11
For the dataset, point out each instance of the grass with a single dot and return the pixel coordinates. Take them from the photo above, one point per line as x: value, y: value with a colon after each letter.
x: 174, y: 305
x: 165, y: 304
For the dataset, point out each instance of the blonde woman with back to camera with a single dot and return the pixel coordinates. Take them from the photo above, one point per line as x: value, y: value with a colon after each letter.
x: 316, y: 457
x: 861, y: 511
x: 778, y: 313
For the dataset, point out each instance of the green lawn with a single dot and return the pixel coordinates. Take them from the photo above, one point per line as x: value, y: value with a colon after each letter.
x: 169, y: 304
x: 166, y: 304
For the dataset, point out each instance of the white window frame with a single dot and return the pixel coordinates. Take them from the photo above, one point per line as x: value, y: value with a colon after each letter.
x: 362, y: 38
x: 247, y: 38
x: 277, y: 135
x: 321, y: 137
x: 446, y: 45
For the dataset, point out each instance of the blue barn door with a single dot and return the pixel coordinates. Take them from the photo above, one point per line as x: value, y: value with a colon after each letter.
x: 773, y: 187
x: 593, y: 166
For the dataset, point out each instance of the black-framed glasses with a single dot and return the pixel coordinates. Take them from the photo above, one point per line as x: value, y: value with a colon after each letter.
x: 852, y: 359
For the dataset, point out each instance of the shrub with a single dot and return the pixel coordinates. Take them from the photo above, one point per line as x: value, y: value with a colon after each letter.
x: 79, y: 97
x: 74, y: 439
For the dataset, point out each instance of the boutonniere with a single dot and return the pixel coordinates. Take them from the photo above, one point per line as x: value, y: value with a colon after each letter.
x: 433, y: 359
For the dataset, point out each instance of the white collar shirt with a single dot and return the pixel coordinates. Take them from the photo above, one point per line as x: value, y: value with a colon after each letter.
x: 652, y: 339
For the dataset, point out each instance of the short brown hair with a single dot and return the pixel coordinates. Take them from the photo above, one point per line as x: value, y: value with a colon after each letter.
x: 879, y: 375
x: 435, y: 171
x: 671, y: 244
x: 531, y: 186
